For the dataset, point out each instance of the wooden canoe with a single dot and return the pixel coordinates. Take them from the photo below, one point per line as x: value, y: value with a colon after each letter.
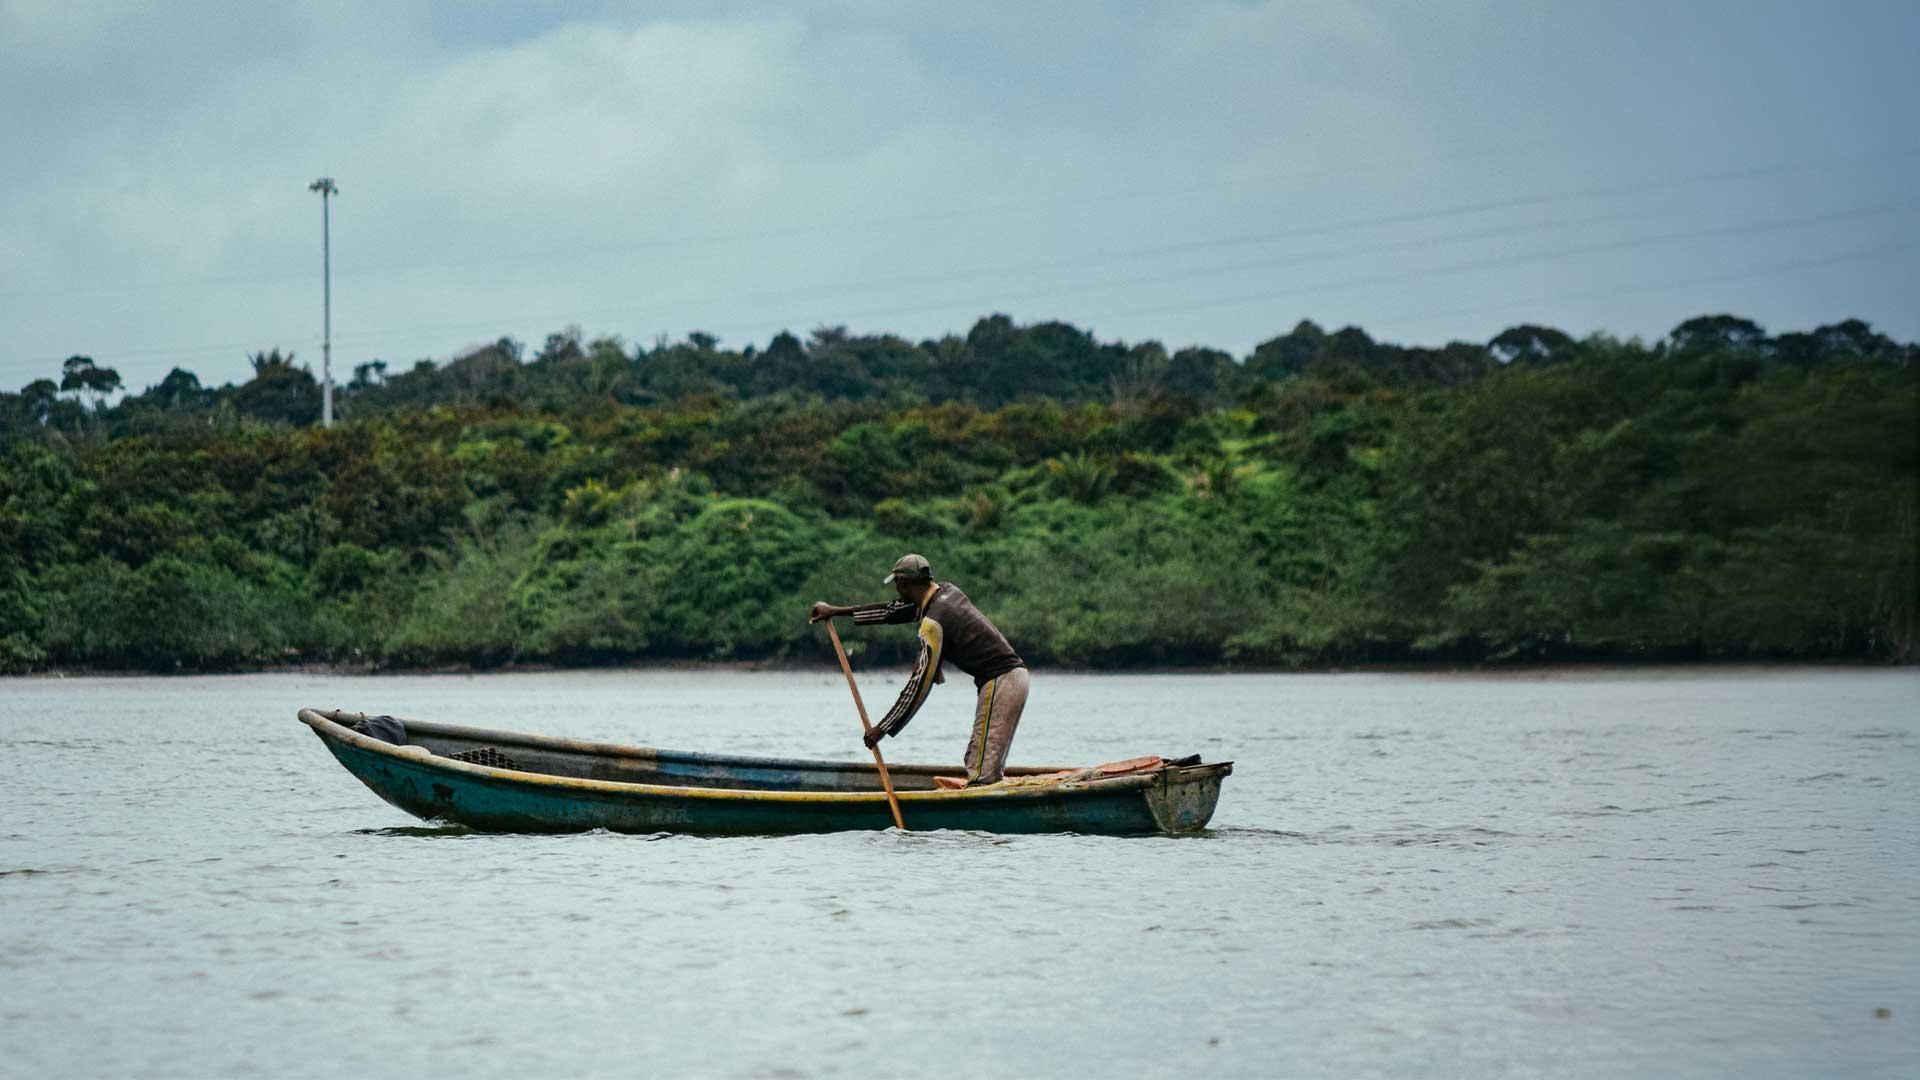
x: 534, y: 783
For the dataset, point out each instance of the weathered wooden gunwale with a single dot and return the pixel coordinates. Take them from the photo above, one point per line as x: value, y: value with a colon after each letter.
x: 643, y: 789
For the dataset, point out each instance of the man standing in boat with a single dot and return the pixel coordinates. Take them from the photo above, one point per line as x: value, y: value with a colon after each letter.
x: 952, y: 631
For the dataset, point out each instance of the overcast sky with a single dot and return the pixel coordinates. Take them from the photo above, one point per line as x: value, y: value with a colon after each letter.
x: 1193, y: 173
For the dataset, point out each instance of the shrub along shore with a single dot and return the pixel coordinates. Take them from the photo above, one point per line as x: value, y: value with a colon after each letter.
x: 1328, y: 500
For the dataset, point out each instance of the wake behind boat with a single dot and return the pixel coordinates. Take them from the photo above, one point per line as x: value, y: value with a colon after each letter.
x: 505, y: 781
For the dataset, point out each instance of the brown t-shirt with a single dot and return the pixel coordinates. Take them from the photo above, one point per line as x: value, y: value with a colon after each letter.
x: 960, y: 635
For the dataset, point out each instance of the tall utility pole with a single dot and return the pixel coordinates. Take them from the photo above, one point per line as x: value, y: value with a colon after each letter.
x: 327, y: 190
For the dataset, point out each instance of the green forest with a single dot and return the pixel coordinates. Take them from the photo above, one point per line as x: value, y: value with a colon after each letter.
x: 1721, y: 493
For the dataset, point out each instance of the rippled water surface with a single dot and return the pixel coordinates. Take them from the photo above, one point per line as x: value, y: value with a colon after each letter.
x: 1707, y: 872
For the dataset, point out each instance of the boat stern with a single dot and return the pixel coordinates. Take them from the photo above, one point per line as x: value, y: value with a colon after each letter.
x: 1182, y: 798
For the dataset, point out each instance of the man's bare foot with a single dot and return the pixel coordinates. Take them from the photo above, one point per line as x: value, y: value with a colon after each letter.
x: 950, y: 783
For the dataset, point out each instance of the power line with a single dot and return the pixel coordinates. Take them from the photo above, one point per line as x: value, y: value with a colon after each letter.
x: 979, y: 272
x: 1812, y: 263
x: 1001, y: 298
x: 1644, y: 187
x: 1384, y: 279
x: 418, y: 331
x: 1538, y: 256
x: 867, y: 224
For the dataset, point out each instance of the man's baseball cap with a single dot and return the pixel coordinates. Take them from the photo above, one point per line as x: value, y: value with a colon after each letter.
x: 909, y: 568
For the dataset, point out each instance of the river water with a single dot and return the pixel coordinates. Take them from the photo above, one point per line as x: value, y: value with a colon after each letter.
x: 1707, y: 872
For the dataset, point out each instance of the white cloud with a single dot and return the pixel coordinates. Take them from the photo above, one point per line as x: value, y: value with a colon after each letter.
x: 596, y: 135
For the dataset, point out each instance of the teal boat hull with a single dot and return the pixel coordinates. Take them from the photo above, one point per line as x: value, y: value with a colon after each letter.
x: 561, y: 785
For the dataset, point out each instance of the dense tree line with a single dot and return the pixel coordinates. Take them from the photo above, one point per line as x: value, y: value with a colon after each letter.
x: 1327, y: 499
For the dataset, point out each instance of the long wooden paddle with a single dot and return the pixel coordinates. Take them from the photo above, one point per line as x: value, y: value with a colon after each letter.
x: 865, y: 725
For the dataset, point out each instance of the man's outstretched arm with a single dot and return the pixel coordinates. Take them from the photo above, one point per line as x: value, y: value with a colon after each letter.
x: 897, y: 611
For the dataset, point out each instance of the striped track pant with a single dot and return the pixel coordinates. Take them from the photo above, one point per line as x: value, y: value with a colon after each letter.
x: 995, y: 716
